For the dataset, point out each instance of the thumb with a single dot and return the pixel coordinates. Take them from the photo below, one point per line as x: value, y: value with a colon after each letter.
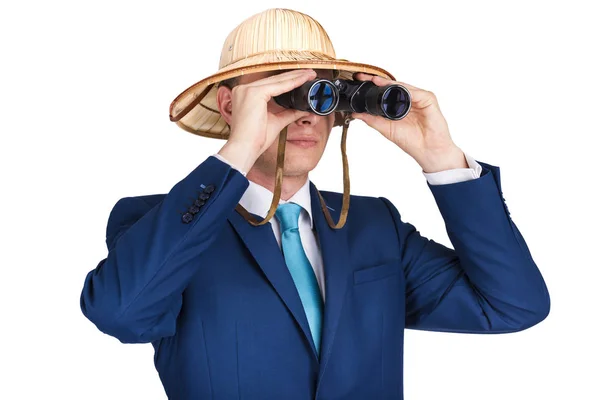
x: 288, y: 116
x: 365, y: 117
x: 371, y: 120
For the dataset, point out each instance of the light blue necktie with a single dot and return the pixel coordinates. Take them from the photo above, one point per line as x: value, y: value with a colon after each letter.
x: 302, y: 272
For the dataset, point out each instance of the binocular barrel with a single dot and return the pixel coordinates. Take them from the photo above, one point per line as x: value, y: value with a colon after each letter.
x: 322, y: 97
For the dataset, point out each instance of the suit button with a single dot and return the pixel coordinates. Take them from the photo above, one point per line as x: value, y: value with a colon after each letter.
x: 209, y: 189
x: 194, y: 210
x: 204, y: 196
x: 187, y: 218
x: 199, y: 203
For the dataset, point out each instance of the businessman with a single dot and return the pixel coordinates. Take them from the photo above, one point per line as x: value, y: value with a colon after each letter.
x: 293, y: 308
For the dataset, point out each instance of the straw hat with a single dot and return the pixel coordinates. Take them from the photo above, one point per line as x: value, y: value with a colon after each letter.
x: 274, y: 39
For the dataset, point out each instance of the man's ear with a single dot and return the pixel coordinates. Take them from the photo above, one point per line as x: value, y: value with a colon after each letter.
x: 224, y: 103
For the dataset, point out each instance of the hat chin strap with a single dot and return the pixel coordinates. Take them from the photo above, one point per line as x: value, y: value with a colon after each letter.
x: 279, y: 179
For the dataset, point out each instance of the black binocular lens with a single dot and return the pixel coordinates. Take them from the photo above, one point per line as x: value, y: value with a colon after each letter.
x: 394, y: 103
x: 323, y: 97
x: 319, y: 96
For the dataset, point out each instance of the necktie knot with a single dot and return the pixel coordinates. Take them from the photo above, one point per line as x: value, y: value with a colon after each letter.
x: 287, y: 214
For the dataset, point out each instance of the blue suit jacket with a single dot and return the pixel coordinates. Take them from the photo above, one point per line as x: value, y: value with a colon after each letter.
x: 215, y: 298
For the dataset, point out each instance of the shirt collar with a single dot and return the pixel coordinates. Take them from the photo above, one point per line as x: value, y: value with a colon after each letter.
x: 257, y: 200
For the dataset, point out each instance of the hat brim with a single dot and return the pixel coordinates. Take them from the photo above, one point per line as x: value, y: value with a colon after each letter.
x: 195, y: 109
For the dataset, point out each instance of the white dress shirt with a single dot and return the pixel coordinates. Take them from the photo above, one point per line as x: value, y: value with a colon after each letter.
x: 257, y: 200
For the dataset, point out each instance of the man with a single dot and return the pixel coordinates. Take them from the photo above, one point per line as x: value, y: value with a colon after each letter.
x: 297, y: 308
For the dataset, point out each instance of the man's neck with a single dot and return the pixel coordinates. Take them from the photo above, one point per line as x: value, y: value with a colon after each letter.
x: 289, y: 186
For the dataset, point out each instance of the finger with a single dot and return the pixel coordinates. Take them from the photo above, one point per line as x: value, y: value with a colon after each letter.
x: 361, y: 76
x: 376, y: 79
x: 282, y: 77
x: 287, y: 116
x: 406, y: 85
x: 380, y: 81
x: 365, y: 117
x: 276, y: 88
x: 371, y: 120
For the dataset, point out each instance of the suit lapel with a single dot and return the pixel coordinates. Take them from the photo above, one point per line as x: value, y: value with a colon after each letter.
x: 333, y: 244
x: 263, y: 246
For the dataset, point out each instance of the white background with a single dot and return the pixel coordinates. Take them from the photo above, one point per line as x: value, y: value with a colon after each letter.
x: 85, y: 91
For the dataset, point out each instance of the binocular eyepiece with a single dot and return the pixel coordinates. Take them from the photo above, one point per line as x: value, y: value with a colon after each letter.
x: 322, y: 97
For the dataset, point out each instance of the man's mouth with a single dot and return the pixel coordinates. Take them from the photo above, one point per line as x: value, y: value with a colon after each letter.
x: 303, y: 143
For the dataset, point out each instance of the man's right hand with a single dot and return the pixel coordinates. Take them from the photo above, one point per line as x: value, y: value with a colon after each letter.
x: 253, y: 128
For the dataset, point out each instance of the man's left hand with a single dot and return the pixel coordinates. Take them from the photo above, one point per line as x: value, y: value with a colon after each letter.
x: 423, y: 133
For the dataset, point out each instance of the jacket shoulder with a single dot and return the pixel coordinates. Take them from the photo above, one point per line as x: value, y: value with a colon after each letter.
x: 336, y: 198
x: 359, y: 204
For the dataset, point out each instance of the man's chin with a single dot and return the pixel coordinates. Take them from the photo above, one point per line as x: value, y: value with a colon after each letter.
x: 298, y: 169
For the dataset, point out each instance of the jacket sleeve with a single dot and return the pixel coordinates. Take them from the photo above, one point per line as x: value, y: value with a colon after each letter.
x: 135, y: 293
x: 489, y: 283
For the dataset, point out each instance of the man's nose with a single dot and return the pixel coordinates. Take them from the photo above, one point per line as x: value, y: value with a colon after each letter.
x: 310, y: 119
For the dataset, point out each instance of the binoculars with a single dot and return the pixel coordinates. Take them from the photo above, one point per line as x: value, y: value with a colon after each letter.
x: 322, y: 97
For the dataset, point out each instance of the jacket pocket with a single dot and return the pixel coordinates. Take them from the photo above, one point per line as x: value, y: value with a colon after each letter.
x: 377, y: 272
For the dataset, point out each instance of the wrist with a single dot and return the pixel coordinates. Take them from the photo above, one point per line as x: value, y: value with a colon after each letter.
x: 451, y: 159
x: 239, y: 156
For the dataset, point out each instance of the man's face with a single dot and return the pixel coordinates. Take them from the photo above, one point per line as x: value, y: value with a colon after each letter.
x: 300, y: 156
